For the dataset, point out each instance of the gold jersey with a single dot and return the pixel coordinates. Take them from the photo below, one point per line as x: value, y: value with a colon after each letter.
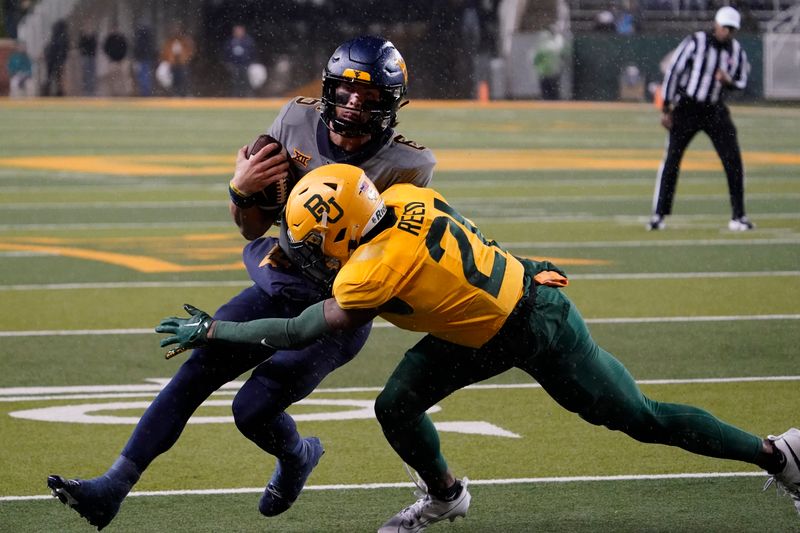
x: 432, y: 271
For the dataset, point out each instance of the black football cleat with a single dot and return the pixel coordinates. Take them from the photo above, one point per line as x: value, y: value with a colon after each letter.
x: 288, y: 480
x: 88, y: 498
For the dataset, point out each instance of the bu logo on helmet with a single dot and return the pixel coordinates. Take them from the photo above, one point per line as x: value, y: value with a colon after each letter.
x: 322, y: 210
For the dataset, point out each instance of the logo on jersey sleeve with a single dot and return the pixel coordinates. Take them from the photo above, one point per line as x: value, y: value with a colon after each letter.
x: 399, y: 139
x: 300, y: 158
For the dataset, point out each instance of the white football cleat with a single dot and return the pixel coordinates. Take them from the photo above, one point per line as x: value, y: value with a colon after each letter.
x: 427, y: 510
x: 788, y: 479
x: 656, y: 223
x: 740, y: 224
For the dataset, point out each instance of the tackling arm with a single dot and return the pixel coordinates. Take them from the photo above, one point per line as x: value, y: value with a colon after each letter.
x: 277, y: 333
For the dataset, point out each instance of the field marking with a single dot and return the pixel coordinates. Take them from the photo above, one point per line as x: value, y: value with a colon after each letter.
x: 560, y: 218
x: 481, y: 201
x: 276, y: 103
x: 625, y: 219
x: 139, y: 263
x: 123, y: 285
x: 654, y: 243
x: 400, y: 485
x: 448, y: 159
x: 90, y: 392
x: 49, y: 206
x: 619, y: 320
x: 684, y: 275
x: 230, y: 283
x: 114, y: 225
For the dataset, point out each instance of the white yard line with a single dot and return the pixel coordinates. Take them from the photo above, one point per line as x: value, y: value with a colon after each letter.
x: 656, y: 243
x: 88, y: 392
x: 719, y: 220
x: 122, y: 285
x: 381, y: 486
x: 381, y: 324
x: 565, y: 218
x: 233, y: 283
x: 114, y: 225
x: 121, y: 204
x: 593, y: 200
x: 684, y: 275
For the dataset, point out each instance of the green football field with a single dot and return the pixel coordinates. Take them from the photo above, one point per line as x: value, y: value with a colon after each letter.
x: 115, y: 213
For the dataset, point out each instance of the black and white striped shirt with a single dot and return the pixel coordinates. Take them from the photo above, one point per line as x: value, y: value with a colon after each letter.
x: 693, y: 65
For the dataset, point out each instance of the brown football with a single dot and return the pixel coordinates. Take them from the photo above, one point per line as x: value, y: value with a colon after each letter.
x: 274, y: 195
x: 260, y: 142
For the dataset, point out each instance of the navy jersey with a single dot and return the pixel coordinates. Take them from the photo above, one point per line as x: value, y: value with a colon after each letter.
x: 387, y: 160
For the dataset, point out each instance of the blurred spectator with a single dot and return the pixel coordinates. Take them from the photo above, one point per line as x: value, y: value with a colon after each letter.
x: 11, y: 17
x: 20, y: 72
x: 13, y: 11
x: 625, y: 21
x: 700, y: 5
x: 470, y: 33
x: 115, y: 47
x: 549, y: 64
x: 239, y: 54
x: 87, y: 46
x: 177, y: 52
x: 55, y: 56
x: 144, y: 59
x: 604, y: 21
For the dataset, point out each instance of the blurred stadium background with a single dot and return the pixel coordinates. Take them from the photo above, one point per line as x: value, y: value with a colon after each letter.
x: 610, y: 49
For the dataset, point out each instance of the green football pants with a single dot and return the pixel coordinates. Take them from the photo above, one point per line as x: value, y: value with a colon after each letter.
x: 553, y: 345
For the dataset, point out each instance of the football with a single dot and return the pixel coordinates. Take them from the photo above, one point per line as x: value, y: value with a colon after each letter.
x: 274, y: 195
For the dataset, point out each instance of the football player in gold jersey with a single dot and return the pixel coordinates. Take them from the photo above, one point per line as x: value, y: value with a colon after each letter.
x: 411, y: 258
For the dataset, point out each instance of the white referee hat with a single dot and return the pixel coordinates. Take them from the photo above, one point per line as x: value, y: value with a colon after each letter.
x: 728, y: 16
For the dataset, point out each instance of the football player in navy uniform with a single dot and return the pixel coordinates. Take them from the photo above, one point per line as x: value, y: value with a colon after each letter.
x: 363, y: 86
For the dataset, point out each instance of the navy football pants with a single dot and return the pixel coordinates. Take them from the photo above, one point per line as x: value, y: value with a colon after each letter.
x: 258, y: 408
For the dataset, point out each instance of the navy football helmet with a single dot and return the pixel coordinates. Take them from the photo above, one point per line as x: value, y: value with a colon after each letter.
x: 376, y: 63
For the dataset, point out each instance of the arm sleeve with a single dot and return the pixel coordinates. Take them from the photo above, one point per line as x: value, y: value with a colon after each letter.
x: 276, y: 128
x: 675, y: 70
x: 426, y: 174
x: 278, y: 333
x: 740, y: 76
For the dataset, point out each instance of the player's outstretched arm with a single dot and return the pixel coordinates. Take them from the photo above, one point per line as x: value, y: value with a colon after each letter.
x: 187, y: 333
x: 278, y: 333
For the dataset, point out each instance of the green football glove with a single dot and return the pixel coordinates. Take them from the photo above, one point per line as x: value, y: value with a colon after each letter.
x: 187, y: 333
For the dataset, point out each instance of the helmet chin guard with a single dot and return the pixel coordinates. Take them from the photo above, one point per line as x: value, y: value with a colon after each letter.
x: 308, y: 257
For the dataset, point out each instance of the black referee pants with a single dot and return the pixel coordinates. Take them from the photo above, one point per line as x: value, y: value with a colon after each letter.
x: 715, y: 120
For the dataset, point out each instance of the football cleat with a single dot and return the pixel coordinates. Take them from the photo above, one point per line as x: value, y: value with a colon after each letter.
x: 288, y: 480
x: 656, y: 223
x: 428, y: 510
x: 788, y: 479
x: 89, y: 498
x: 740, y: 224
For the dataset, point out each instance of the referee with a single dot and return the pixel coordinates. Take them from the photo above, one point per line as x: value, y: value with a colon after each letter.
x: 702, y: 69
